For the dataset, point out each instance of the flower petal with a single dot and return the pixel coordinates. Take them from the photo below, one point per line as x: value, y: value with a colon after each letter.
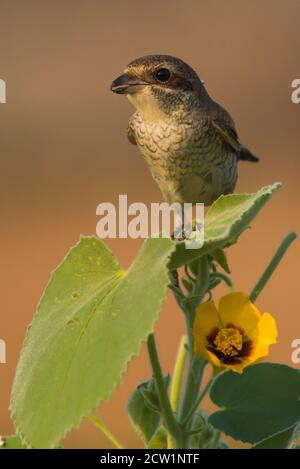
x: 207, y: 319
x: 201, y: 351
x: 265, y: 335
x: 267, y: 330
x: 239, y: 367
x: 213, y: 359
x: 260, y: 353
x: 236, y: 308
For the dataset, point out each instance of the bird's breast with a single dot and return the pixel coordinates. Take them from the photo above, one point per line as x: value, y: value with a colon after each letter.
x: 164, y: 141
x: 186, y: 159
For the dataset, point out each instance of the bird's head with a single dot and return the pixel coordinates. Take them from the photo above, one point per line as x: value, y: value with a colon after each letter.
x: 159, y: 84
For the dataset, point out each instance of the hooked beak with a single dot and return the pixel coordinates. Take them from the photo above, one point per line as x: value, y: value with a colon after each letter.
x: 126, y: 84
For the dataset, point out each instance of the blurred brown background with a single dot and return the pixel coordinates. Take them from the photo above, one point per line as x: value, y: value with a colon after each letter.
x: 63, y: 149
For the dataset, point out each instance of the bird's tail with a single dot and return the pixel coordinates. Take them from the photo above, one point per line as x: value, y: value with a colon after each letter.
x: 246, y: 155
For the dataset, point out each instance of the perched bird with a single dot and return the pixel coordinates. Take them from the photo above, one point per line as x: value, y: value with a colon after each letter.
x: 188, y: 140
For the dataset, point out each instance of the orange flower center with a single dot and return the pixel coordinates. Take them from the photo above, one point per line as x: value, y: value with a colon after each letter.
x: 229, y: 341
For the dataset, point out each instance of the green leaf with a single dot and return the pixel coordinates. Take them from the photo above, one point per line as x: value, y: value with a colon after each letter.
x: 281, y: 440
x: 262, y: 401
x: 11, y: 442
x: 144, y: 410
x: 220, y: 256
x: 207, y: 436
x: 225, y: 220
x: 159, y: 439
x: 91, y: 321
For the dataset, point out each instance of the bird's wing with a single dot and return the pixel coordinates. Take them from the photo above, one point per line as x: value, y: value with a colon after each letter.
x: 130, y: 131
x: 225, y: 126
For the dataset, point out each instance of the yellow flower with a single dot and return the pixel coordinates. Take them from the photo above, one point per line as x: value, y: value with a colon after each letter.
x: 235, y: 335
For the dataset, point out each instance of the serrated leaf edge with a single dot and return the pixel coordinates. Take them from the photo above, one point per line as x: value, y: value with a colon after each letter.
x: 76, y: 425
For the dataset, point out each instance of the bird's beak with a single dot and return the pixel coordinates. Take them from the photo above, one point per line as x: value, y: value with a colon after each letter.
x: 126, y: 84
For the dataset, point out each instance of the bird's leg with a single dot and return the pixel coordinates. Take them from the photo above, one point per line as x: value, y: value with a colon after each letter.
x: 179, y: 233
x: 179, y: 230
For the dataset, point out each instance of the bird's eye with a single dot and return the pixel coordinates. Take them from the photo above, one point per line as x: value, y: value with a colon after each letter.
x: 163, y: 75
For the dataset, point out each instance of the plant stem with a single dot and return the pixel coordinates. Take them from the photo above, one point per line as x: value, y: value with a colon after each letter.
x: 196, y: 364
x: 176, y: 381
x: 198, y: 402
x: 202, y: 280
x: 177, y: 374
x: 195, y: 372
x: 99, y: 424
x: 215, y: 441
x: 223, y: 277
x: 285, y: 244
x: 170, y: 421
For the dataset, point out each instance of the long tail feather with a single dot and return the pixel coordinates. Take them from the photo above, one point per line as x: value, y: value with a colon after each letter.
x: 246, y: 155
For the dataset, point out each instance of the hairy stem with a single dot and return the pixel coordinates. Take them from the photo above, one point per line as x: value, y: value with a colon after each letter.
x: 177, y: 381
x: 194, y: 377
x: 198, y: 402
x: 170, y: 421
x: 196, y: 364
x: 285, y: 244
x: 99, y: 424
x: 177, y: 374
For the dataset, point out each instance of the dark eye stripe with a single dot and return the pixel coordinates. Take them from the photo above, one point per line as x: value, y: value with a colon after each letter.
x: 184, y: 84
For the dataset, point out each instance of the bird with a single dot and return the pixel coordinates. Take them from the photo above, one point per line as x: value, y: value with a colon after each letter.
x: 189, y: 141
